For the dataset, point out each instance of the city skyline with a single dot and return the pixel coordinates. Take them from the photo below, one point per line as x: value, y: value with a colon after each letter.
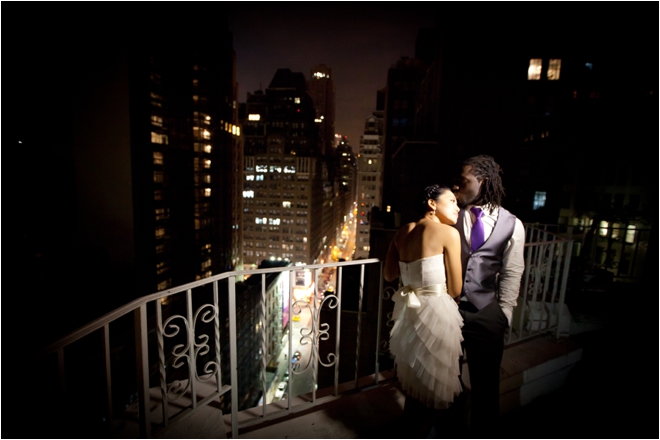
x: 47, y: 78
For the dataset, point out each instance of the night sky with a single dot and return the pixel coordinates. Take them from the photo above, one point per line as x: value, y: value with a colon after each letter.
x: 359, y: 41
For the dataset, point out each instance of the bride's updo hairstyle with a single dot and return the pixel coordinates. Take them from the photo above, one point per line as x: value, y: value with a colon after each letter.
x: 432, y: 192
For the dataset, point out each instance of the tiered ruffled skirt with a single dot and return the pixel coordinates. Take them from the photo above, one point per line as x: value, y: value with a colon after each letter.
x: 426, y: 344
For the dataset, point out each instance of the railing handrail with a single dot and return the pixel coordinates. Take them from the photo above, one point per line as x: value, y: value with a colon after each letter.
x: 121, y: 311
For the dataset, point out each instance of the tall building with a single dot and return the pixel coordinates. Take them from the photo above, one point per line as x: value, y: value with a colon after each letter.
x: 347, y: 176
x: 403, y: 82
x: 369, y: 180
x: 322, y: 90
x: 137, y: 158
x: 185, y: 178
x: 283, y: 174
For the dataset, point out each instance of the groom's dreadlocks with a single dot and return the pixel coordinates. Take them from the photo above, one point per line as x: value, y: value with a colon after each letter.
x: 488, y: 171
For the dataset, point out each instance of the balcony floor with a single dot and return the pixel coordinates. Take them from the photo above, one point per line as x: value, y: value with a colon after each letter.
x: 587, y: 385
x: 373, y: 412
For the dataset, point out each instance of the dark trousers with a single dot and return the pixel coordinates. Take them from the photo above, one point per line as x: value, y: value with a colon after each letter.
x: 483, y: 340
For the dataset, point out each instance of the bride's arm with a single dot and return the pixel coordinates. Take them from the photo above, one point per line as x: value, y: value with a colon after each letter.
x: 454, y: 269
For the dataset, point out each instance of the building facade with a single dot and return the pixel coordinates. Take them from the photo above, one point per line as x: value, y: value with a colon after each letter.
x: 369, y: 180
x: 186, y: 160
x: 322, y: 90
x: 282, y: 175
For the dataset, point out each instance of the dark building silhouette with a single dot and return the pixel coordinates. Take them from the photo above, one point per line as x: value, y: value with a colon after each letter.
x: 321, y: 88
x: 133, y: 186
x: 346, y: 177
x: 369, y: 183
x: 403, y: 81
x: 566, y: 116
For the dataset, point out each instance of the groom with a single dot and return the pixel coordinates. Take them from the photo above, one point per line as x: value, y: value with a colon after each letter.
x: 492, y: 244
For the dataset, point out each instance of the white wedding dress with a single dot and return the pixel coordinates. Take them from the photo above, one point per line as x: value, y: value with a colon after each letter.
x: 426, y: 340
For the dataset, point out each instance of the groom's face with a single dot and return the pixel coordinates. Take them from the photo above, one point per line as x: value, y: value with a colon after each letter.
x: 468, y: 187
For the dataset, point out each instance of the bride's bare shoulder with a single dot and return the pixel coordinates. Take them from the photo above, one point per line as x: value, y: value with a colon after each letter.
x: 408, y: 227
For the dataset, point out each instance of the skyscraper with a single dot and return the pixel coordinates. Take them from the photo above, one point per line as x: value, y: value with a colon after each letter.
x: 139, y: 157
x: 369, y: 180
x: 322, y: 90
x: 283, y: 174
x: 186, y: 161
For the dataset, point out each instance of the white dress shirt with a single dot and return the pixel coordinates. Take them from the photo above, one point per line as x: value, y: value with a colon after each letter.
x: 513, y: 262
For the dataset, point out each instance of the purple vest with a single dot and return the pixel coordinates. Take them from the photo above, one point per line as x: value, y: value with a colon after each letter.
x: 480, y: 268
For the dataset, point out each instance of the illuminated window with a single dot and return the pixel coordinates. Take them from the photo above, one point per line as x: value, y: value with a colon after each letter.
x: 534, y: 70
x: 207, y: 163
x: 630, y: 234
x: 156, y: 120
x: 554, y: 68
x: 603, y: 228
x: 207, y: 148
x: 158, y: 138
x: 161, y: 214
x: 254, y: 117
x: 539, y: 199
x: 158, y: 158
x: 207, y: 178
x: 248, y: 194
x: 206, y: 134
x: 207, y: 192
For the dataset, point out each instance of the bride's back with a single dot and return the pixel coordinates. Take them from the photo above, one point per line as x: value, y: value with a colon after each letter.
x: 422, y: 239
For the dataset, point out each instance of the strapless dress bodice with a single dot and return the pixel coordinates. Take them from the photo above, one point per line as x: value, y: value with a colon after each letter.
x: 423, y: 272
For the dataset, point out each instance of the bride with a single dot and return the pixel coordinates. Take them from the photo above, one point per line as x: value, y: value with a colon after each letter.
x: 426, y: 337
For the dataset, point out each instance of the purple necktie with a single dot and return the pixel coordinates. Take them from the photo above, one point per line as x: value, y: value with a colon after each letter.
x: 477, y: 238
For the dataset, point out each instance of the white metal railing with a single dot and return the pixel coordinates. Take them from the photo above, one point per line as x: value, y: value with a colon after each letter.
x: 179, y: 337
x: 542, y: 296
x: 195, y: 335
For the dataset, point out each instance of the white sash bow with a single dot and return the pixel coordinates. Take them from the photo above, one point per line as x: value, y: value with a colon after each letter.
x: 407, y: 296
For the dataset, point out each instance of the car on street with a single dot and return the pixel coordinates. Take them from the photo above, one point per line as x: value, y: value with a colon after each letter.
x: 281, y: 388
x: 285, y: 378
